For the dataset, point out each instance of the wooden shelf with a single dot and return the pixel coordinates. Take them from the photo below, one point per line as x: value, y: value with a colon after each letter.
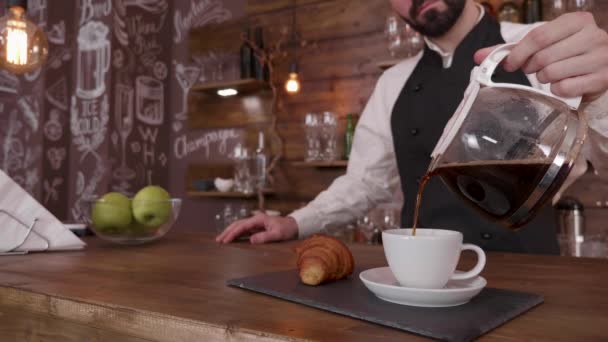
x: 218, y: 194
x: 244, y: 86
x: 322, y: 164
x: 385, y: 64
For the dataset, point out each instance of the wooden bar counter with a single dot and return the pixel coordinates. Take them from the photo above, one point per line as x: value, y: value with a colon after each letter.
x: 174, y: 290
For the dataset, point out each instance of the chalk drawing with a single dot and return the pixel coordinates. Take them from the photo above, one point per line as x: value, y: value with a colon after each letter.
x: 79, y: 183
x: 57, y: 93
x: 53, y: 129
x: 58, y: 57
x: 32, y: 76
x: 50, y: 189
x: 88, y: 124
x: 183, y: 146
x: 13, y: 147
x: 123, y: 187
x: 148, y: 134
x: 9, y: 83
x: 56, y: 156
x: 79, y: 210
x: 149, y: 100
x: 114, y: 137
x: 177, y: 126
x: 31, y: 111
x: 135, y: 147
x: 124, y: 121
x: 37, y: 11
x: 160, y: 70
x: 186, y: 78
x: 93, y: 60
x: 91, y: 9
x: 162, y: 158
x: 119, y: 59
x: 152, y: 6
x: 120, y: 29
x: 199, y: 14
x: 57, y: 33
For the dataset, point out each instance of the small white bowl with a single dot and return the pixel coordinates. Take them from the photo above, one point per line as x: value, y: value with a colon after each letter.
x: 223, y: 185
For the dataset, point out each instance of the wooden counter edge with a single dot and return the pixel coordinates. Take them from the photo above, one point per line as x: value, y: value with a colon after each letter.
x: 143, y: 324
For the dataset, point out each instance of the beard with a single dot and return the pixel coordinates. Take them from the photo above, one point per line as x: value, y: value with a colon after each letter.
x: 435, y: 23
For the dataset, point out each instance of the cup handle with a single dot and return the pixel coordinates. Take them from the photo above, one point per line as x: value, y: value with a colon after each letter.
x: 481, y: 263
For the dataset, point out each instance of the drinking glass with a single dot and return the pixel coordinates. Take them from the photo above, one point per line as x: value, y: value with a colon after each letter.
x: 368, y: 229
x: 393, y: 35
x: 244, y: 170
x: 390, y: 216
x: 594, y: 246
x: 329, y: 132
x: 313, y: 142
x: 414, y: 40
x: 402, y: 39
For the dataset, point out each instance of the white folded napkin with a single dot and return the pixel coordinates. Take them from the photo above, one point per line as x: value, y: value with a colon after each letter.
x: 18, y: 209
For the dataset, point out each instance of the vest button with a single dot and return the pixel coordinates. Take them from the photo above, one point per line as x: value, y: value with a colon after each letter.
x: 418, y: 87
x: 486, y: 236
x: 414, y: 131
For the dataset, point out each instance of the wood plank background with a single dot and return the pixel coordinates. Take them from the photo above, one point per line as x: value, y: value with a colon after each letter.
x: 343, y: 42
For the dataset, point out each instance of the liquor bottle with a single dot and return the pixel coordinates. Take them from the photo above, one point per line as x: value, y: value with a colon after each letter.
x: 533, y: 11
x: 260, y: 162
x: 246, y: 55
x: 260, y: 71
x: 349, y: 136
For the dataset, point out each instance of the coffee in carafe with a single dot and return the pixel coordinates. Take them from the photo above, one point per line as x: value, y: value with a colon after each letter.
x: 495, y: 189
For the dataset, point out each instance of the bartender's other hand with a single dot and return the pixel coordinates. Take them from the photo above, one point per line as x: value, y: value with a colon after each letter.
x: 570, y: 52
x: 269, y: 228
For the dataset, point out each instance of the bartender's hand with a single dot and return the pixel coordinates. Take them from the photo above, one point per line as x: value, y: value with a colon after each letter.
x: 268, y: 228
x: 570, y: 52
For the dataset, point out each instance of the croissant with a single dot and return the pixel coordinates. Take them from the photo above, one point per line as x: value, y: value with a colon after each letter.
x: 322, y: 258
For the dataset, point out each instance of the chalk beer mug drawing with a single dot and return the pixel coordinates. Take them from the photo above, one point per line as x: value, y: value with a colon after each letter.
x: 93, y: 60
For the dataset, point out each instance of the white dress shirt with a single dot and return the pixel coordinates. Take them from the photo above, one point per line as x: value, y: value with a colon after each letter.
x: 372, y: 176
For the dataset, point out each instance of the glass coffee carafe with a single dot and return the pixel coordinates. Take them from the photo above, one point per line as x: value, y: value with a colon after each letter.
x: 508, y: 148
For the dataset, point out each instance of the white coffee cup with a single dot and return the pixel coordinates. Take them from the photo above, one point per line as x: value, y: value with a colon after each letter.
x: 427, y: 260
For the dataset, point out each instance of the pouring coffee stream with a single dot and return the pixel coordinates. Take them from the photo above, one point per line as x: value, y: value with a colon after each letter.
x: 508, y: 148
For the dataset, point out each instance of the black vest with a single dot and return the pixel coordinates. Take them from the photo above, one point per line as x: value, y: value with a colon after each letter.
x: 424, y: 106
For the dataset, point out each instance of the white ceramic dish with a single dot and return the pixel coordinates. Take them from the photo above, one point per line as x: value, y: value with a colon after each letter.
x: 384, y: 285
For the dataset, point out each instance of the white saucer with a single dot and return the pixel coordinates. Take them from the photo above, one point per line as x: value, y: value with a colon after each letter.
x: 384, y: 285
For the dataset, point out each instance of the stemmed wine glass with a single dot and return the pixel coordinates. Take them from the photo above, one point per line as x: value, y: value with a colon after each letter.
x: 123, y: 119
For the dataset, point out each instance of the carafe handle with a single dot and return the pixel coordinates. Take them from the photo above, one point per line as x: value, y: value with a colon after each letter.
x: 488, y: 66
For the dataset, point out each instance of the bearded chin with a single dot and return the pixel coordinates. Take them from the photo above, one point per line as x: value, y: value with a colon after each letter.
x: 436, y: 23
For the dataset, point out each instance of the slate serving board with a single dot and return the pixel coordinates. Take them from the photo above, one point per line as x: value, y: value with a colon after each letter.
x: 349, y: 297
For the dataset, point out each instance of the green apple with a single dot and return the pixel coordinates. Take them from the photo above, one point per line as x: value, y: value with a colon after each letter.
x: 152, y: 206
x: 112, y: 213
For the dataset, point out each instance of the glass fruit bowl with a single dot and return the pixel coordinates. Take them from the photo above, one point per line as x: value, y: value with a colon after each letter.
x: 131, y: 222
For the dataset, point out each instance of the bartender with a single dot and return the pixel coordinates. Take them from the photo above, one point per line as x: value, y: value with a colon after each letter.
x: 412, y: 103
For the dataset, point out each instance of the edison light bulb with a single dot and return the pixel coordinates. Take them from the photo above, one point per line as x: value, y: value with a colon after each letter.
x: 293, y: 84
x: 23, y: 45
